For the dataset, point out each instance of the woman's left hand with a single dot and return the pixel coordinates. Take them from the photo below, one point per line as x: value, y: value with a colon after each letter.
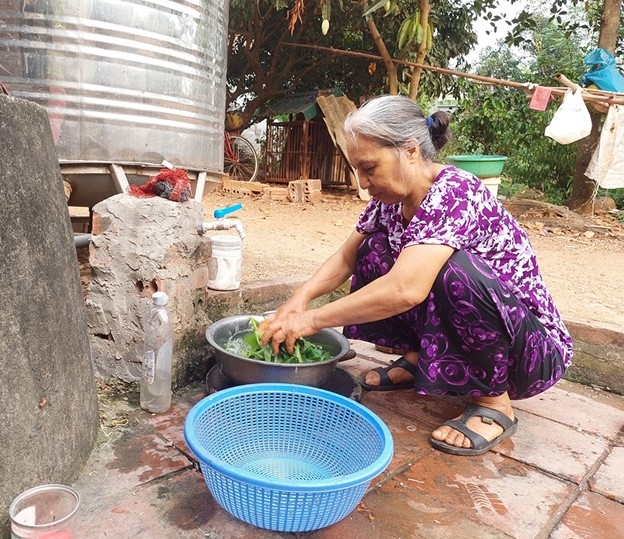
x: 287, y: 328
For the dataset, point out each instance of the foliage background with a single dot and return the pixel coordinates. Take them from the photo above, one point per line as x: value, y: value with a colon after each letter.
x: 497, y: 120
x: 543, y: 40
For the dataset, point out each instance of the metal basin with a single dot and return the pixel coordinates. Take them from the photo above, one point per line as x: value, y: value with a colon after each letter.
x: 243, y: 370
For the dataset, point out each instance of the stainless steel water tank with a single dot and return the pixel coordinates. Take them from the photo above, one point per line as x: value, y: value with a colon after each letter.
x: 123, y: 81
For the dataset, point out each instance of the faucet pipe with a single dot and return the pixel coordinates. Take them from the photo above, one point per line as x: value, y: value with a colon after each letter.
x: 223, y: 224
x: 82, y: 240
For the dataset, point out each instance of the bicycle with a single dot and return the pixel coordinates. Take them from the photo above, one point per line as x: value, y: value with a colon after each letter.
x: 240, y: 159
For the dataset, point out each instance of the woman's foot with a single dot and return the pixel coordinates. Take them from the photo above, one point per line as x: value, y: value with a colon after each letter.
x: 394, y: 376
x: 488, y: 429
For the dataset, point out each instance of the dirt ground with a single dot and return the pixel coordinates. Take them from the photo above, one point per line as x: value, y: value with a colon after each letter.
x: 581, y: 259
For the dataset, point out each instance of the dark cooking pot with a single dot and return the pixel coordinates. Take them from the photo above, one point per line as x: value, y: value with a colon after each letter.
x: 251, y: 371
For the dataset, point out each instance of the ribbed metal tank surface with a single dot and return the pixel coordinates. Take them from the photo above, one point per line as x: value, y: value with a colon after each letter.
x: 123, y: 81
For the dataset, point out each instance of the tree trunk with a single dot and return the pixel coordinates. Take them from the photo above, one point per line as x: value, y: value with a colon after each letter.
x: 583, y: 188
x: 425, y: 8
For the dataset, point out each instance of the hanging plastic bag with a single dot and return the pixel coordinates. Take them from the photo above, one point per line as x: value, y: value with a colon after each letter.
x: 603, y: 72
x: 571, y: 121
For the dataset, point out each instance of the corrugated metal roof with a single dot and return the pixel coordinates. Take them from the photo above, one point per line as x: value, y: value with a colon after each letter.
x: 301, y: 103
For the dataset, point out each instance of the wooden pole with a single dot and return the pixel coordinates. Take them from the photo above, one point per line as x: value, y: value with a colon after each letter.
x: 608, y: 98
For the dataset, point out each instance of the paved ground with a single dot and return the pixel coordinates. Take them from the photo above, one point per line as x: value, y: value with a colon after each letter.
x: 560, y: 477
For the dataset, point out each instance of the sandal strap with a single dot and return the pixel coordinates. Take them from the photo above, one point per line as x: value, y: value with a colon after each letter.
x: 475, y: 410
x: 477, y: 441
x: 404, y: 364
x: 384, y: 379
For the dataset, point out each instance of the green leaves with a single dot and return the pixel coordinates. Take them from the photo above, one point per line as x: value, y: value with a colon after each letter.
x: 304, y: 351
x: 375, y: 7
x: 412, y: 31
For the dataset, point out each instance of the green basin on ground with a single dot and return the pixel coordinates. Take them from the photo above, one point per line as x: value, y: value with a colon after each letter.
x: 482, y: 166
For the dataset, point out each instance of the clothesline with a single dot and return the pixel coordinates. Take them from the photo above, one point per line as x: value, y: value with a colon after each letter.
x: 589, y: 94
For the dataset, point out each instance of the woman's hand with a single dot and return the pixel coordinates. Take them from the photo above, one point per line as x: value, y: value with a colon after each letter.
x: 286, y: 327
x: 293, y: 305
x: 275, y: 321
x: 293, y: 320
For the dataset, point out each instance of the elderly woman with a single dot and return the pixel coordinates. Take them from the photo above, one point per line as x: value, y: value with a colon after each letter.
x: 439, y: 271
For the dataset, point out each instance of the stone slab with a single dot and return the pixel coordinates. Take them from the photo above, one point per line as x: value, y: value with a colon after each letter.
x: 609, y: 479
x: 591, y: 516
x: 501, y: 493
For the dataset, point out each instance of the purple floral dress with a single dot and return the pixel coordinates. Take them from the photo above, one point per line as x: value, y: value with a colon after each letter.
x: 489, y: 324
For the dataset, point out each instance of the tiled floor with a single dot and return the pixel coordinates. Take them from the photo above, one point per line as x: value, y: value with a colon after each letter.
x: 561, y: 476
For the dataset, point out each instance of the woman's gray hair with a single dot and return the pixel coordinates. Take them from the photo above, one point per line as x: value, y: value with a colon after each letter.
x: 398, y: 121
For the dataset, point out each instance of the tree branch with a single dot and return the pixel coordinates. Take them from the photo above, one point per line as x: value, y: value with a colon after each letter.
x: 383, y: 51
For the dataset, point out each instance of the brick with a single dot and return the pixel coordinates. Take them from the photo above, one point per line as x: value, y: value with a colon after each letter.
x: 243, y: 188
x: 305, y: 191
x: 310, y: 186
x: 277, y: 193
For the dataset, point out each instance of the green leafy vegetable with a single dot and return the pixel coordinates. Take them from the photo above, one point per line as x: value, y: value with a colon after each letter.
x: 304, y: 351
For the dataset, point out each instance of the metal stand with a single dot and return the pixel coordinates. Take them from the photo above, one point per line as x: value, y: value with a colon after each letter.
x: 87, y: 183
x: 90, y: 183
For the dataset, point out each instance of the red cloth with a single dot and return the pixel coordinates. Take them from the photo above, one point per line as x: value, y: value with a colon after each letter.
x: 170, y: 184
x: 540, y: 98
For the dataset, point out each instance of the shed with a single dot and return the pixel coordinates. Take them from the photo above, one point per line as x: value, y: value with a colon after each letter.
x: 305, y: 139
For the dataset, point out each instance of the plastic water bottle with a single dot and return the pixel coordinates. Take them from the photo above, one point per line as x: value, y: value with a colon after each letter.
x: 157, y: 352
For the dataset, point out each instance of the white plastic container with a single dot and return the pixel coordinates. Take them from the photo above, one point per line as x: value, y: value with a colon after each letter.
x: 492, y: 184
x: 224, y: 265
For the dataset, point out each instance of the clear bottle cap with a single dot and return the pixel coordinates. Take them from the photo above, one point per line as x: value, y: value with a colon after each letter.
x: 160, y: 298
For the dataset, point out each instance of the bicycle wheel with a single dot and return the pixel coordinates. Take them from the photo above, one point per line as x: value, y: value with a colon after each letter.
x: 240, y: 160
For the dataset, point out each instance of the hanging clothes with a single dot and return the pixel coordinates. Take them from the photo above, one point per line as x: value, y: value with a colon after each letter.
x: 606, y: 167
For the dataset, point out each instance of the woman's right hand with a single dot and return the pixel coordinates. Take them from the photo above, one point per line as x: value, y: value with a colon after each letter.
x: 278, y: 329
x: 291, y: 306
x: 294, y: 304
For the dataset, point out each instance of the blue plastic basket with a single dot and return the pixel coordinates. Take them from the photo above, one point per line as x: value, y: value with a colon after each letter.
x: 286, y: 457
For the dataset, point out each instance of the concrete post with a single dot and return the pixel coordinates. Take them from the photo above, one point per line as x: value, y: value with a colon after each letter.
x: 140, y: 246
x: 48, y: 397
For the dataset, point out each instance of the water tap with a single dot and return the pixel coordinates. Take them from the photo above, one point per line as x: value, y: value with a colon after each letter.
x: 221, y: 223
